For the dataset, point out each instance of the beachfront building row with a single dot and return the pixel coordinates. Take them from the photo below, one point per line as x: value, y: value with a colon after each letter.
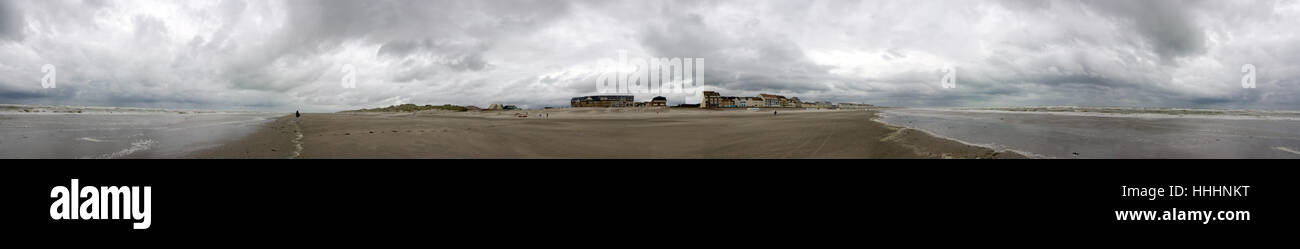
x: 615, y: 101
x: 713, y: 99
x: 852, y: 106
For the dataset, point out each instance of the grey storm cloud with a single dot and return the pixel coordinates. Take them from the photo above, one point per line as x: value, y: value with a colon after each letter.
x: 1167, y: 27
x: 286, y: 55
x: 11, y: 22
x: 455, y: 56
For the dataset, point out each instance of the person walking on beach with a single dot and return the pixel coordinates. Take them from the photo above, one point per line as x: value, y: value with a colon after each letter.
x: 296, y: 116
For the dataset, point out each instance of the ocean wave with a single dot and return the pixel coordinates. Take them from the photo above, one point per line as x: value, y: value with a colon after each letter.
x: 1289, y: 150
x: 1228, y: 114
x: 141, y: 145
x: 101, y: 110
x: 881, y: 116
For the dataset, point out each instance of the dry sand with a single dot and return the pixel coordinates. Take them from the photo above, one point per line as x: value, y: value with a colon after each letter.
x: 596, y: 133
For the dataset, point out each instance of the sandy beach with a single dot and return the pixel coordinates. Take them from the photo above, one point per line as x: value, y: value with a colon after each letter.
x: 595, y: 133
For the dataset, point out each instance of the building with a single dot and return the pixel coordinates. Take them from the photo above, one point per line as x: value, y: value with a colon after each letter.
x: 788, y: 103
x: 603, y: 101
x: 772, y: 100
x: 711, y: 100
x: 825, y: 105
x: 744, y: 102
x: 659, y: 101
x: 853, y: 106
x: 494, y: 107
x: 729, y: 102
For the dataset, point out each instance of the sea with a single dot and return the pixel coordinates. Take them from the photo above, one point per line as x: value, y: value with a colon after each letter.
x: 1084, y: 132
x: 34, y: 131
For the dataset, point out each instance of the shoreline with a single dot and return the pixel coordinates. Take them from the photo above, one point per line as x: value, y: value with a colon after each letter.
x: 1089, y: 135
x: 127, y: 135
x: 271, y: 139
x: 1021, y: 153
x: 597, y: 133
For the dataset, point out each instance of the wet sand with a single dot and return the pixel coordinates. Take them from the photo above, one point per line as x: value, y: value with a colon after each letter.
x: 595, y: 133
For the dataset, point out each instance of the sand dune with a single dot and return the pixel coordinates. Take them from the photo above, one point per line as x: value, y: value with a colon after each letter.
x: 596, y: 133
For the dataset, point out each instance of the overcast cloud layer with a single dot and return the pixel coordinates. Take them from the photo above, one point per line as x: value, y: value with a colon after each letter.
x: 286, y: 55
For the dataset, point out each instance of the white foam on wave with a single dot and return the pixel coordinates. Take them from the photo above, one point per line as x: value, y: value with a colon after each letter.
x: 249, y: 121
x: 137, y: 146
x: 1287, y: 150
x: 91, y: 139
x: 995, y: 147
x: 1224, y: 114
x: 102, y: 110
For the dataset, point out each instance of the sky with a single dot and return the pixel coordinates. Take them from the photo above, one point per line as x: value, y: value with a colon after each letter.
x: 296, y: 55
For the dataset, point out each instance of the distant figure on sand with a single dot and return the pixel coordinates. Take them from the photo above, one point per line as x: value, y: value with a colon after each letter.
x: 296, y: 115
x: 773, y: 112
